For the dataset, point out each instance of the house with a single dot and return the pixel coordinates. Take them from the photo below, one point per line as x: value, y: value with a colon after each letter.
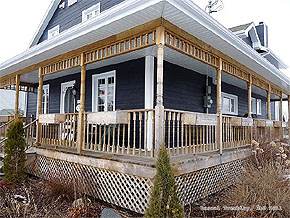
x: 117, y: 79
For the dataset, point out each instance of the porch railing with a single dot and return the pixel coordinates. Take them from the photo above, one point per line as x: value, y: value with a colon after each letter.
x: 59, y: 130
x: 120, y: 132
x: 189, y: 132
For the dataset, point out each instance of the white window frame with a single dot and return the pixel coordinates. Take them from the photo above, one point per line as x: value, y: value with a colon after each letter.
x: 64, y: 87
x: 259, y: 106
x: 236, y: 103
x: 277, y: 110
x: 71, y: 2
x: 95, y: 10
x: 95, y: 79
x: 45, y: 110
x: 52, y: 31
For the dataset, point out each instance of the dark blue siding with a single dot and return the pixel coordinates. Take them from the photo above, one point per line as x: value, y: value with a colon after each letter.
x: 130, y: 87
x: 183, y: 89
x: 71, y: 16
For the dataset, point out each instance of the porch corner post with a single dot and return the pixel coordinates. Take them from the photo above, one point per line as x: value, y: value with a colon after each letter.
x: 159, y: 108
x: 16, y: 112
x: 39, y: 107
x: 218, y: 108
x: 81, y: 116
x: 250, y: 97
x: 269, y: 103
x: 288, y: 117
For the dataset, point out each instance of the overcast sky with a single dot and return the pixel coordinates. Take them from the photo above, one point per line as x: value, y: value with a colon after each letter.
x: 19, y: 20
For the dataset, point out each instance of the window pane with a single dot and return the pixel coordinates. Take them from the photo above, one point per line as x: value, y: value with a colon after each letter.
x: 226, y: 104
x: 232, y: 105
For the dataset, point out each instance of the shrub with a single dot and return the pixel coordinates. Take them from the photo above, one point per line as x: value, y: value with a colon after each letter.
x: 164, y: 201
x: 14, y: 148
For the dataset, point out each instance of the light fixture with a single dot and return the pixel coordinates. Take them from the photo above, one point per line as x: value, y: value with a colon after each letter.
x: 62, y: 5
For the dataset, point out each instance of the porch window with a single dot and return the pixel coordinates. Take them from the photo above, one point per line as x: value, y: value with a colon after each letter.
x: 259, y: 107
x: 45, y: 99
x: 277, y: 110
x: 91, y: 12
x: 104, y: 86
x: 256, y: 106
x: 53, y: 32
x: 229, y: 104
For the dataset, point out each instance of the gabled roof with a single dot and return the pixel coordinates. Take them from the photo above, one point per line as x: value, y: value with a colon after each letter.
x: 42, y: 26
x: 242, y: 27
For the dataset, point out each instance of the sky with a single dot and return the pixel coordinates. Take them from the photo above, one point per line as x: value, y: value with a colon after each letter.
x: 19, y: 27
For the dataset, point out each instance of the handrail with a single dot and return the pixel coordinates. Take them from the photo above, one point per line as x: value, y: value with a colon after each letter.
x: 29, y: 124
x: 5, y: 124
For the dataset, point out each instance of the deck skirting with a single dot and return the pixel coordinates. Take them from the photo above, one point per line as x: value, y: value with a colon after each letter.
x: 132, y: 191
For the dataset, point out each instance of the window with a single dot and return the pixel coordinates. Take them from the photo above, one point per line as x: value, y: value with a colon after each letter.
x: 91, y: 12
x: 253, y: 106
x: 45, y: 99
x: 68, y: 97
x: 71, y: 2
x: 229, y: 104
x: 256, y: 106
x: 259, y: 107
x: 277, y: 110
x: 104, y: 91
x: 53, y: 32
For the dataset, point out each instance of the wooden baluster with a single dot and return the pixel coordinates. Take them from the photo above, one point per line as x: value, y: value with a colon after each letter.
x: 153, y: 131
x: 100, y: 138
x: 177, y: 135
x: 190, y: 146
x: 182, y: 131
x: 129, y: 123
x: 174, y: 146
x: 105, y: 137
x: 96, y: 137
x: 145, y: 132
x: 193, y: 140
x: 186, y: 140
x: 140, y: 132
x: 109, y: 138
x: 123, y: 144
x: 169, y: 121
x: 118, y: 140
x: 134, y: 132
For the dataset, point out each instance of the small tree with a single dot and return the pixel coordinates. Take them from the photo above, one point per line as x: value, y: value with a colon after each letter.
x: 164, y: 201
x: 15, y: 153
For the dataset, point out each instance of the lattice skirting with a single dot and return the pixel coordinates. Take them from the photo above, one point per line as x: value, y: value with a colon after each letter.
x: 126, y: 191
x: 133, y: 192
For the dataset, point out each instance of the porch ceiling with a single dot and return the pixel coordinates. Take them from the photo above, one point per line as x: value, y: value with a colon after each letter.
x: 131, y: 13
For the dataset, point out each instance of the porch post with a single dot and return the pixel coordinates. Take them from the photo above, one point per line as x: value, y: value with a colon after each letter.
x: 16, y: 108
x: 281, y: 107
x: 149, y: 98
x: 250, y: 97
x: 269, y: 103
x: 81, y: 123
x: 288, y: 117
x: 39, y: 107
x: 218, y: 108
x: 159, y: 108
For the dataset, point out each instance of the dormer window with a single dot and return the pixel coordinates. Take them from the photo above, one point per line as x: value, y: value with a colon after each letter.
x: 91, y: 12
x: 53, y: 32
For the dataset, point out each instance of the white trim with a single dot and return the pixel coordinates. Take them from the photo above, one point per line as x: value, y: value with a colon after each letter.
x: 95, y: 10
x: 253, y: 106
x: 53, y: 32
x: 95, y: 78
x: 64, y: 86
x: 236, y: 103
x: 149, y: 96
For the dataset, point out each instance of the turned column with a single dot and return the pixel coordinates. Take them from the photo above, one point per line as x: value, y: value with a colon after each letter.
x: 81, y: 116
x: 218, y: 107
x: 39, y: 107
x: 159, y: 108
x: 16, y: 108
x: 250, y: 98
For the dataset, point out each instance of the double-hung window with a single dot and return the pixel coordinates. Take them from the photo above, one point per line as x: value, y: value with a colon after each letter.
x: 91, y: 12
x: 104, y: 86
x: 256, y: 106
x: 45, y: 99
x: 229, y: 104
